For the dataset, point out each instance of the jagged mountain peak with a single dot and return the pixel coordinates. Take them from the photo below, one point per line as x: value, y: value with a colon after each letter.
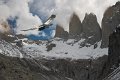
x: 110, y: 21
x: 91, y: 17
x: 74, y: 16
x: 117, y: 4
x: 91, y: 28
x: 75, y: 25
x: 60, y: 32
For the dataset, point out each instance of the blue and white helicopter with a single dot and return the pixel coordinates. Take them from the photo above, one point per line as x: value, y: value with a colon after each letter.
x: 44, y: 25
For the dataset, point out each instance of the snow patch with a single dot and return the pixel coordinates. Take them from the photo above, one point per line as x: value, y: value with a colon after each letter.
x: 9, y: 50
x: 0, y: 51
x: 65, y: 49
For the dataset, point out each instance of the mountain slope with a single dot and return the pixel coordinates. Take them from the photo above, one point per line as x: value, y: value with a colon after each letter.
x: 12, y: 68
x: 110, y: 21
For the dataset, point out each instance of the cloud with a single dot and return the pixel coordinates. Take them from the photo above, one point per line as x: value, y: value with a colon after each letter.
x: 19, y: 9
x: 65, y: 8
x: 29, y: 13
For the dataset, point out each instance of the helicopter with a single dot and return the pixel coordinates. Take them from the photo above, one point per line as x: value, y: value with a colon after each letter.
x: 45, y: 25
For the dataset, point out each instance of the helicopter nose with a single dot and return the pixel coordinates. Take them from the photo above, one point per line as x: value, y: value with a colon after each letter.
x: 53, y: 16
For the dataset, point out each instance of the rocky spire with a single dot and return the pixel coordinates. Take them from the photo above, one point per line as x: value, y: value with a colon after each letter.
x: 75, y: 26
x: 110, y: 21
x: 61, y: 33
x: 91, y: 28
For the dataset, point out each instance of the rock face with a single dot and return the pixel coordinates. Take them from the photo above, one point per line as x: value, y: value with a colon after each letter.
x: 50, y: 46
x: 4, y: 27
x: 78, y: 69
x: 30, y: 69
x: 110, y: 21
x: 114, y: 47
x: 91, y: 29
x: 114, y: 53
x: 6, y: 37
x: 25, y: 69
x: 61, y: 33
x: 75, y: 26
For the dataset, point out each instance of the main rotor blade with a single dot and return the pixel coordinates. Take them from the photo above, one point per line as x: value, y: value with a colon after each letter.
x: 29, y: 29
